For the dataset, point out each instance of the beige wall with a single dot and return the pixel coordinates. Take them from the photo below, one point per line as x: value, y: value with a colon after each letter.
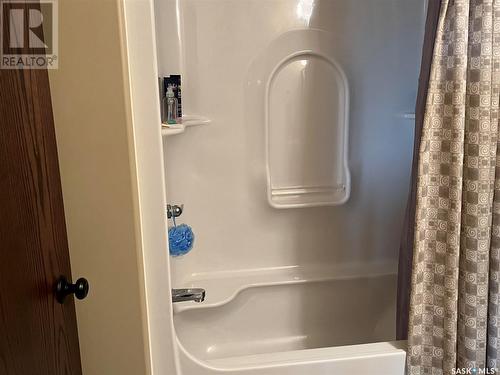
x: 93, y: 128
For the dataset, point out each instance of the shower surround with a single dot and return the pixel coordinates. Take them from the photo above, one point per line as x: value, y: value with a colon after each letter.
x: 296, y: 187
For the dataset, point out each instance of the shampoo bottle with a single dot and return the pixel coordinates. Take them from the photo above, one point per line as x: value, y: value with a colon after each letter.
x: 172, y: 105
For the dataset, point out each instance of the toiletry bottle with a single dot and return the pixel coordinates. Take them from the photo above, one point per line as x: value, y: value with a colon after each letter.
x: 171, y: 105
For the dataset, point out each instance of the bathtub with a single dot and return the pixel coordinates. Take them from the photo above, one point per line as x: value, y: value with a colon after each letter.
x: 292, y: 321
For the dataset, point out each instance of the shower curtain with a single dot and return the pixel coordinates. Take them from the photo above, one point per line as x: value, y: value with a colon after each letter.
x: 454, y: 265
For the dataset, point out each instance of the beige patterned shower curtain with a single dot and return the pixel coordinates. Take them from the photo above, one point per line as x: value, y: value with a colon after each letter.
x: 454, y: 306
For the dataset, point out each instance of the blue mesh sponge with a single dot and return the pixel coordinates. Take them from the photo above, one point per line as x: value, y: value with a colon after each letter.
x: 181, y: 239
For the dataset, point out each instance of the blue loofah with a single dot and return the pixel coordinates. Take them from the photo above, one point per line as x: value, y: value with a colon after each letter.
x: 181, y: 239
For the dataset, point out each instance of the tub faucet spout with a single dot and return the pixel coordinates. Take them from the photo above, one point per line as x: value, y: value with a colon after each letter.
x: 190, y: 294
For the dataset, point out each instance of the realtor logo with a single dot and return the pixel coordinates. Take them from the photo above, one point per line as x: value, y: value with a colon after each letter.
x: 29, y: 34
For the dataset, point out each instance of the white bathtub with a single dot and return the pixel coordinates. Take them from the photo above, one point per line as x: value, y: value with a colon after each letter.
x: 291, y: 321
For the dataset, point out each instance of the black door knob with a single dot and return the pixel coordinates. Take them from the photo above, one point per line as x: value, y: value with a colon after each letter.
x: 64, y: 288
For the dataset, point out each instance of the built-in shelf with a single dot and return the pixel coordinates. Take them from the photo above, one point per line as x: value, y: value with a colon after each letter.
x: 305, y: 142
x: 224, y: 286
x: 168, y: 130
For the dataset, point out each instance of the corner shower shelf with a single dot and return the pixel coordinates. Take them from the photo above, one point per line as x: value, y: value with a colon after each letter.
x: 187, y: 121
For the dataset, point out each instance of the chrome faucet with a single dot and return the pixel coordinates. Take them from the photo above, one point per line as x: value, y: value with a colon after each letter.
x: 190, y: 294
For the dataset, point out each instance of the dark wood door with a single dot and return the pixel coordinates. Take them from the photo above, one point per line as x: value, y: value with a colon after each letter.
x: 38, y: 336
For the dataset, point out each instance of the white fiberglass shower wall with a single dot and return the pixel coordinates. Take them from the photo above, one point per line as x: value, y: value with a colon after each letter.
x: 291, y: 271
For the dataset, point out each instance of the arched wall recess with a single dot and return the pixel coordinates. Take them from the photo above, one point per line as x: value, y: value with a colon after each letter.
x: 302, y: 97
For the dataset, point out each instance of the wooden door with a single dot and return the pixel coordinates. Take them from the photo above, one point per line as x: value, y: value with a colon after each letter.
x: 38, y: 335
